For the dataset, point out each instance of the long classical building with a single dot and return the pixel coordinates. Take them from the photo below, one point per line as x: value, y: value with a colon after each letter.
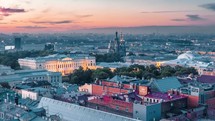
x: 19, y: 76
x: 65, y: 64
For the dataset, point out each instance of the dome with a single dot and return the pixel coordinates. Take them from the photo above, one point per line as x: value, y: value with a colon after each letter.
x: 188, y: 56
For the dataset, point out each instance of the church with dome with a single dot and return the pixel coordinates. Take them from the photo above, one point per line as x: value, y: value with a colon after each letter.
x: 117, y: 46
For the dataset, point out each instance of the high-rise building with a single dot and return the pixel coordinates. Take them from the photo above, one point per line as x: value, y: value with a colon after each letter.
x: 117, y: 45
x: 18, y: 43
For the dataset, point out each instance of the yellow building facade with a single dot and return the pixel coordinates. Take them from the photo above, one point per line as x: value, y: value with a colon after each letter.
x: 63, y: 64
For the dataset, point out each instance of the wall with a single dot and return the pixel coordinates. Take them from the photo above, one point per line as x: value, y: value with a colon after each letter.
x: 192, y: 101
x: 29, y: 94
x: 99, y: 90
x: 174, y: 104
x: 146, y: 112
x: 86, y: 88
x: 143, y: 90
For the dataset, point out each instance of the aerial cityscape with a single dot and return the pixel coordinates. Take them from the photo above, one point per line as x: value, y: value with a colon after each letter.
x: 107, y: 60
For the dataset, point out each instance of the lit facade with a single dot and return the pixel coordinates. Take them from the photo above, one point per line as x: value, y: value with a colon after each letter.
x: 59, y: 63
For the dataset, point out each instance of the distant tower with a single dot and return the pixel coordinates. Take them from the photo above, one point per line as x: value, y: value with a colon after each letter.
x: 116, y: 42
x: 122, y: 47
x: 18, y: 43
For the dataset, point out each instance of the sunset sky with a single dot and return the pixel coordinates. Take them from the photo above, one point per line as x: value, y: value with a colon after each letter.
x: 65, y: 15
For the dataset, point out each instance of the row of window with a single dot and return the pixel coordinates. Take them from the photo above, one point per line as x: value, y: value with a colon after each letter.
x: 152, y: 100
x: 53, y: 78
x: 126, y: 109
x: 68, y: 65
x: 33, y: 97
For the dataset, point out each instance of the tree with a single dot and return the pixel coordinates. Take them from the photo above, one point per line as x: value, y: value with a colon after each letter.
x: 5, y: 85
x: 80, y: 76
x: 11, y: 58
x: 109, y: 57
x: 99, y: 74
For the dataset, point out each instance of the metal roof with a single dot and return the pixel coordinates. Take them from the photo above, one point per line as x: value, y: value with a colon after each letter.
x: 117, y: 79
x: 165, y: 84
x: 72, y: 112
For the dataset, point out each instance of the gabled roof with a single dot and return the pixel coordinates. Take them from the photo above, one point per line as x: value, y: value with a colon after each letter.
x: 72, y: 112
x: 117, y: 79
x: 165, y: 84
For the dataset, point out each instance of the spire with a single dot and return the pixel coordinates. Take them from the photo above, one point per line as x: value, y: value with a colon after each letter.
x: 121, y: 36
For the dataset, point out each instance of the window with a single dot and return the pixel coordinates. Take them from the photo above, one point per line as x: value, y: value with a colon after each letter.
x: 117, y: 107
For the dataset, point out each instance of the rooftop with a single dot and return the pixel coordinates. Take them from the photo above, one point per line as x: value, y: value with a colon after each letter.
x: 61, y: 57
x: 164, y: 96
x: 165, y: 84
x: 74, y: 112
x: 206, y: 79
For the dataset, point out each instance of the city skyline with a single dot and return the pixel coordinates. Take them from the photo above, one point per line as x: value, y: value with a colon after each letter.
x: 68, y: 15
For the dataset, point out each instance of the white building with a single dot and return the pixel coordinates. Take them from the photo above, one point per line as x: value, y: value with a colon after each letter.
x: 139, y: 60
x: 36, y: 75
x: 188, y: 59
x: 59, y: 63
x: 29, y: 94
x: 35, y: 93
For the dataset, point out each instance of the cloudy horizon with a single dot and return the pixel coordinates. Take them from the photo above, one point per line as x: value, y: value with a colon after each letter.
x: 70, y: 15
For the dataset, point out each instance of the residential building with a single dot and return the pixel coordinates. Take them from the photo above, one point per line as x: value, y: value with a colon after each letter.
x: 29, y: 94
x: 117, y: 85
x: 18, y: 45
x: 147, y: 111
x: 165, y: 84
x: 34, y: 75
x: 6, y: 70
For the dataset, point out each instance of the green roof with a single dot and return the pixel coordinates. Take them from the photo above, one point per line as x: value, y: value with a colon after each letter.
x: 165, y: 84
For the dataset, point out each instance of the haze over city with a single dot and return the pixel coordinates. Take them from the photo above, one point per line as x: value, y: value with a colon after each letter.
x: 68, y: 15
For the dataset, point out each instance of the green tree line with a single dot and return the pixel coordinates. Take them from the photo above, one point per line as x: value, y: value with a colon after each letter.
x: 11, y: 58
x: 81, y: 76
